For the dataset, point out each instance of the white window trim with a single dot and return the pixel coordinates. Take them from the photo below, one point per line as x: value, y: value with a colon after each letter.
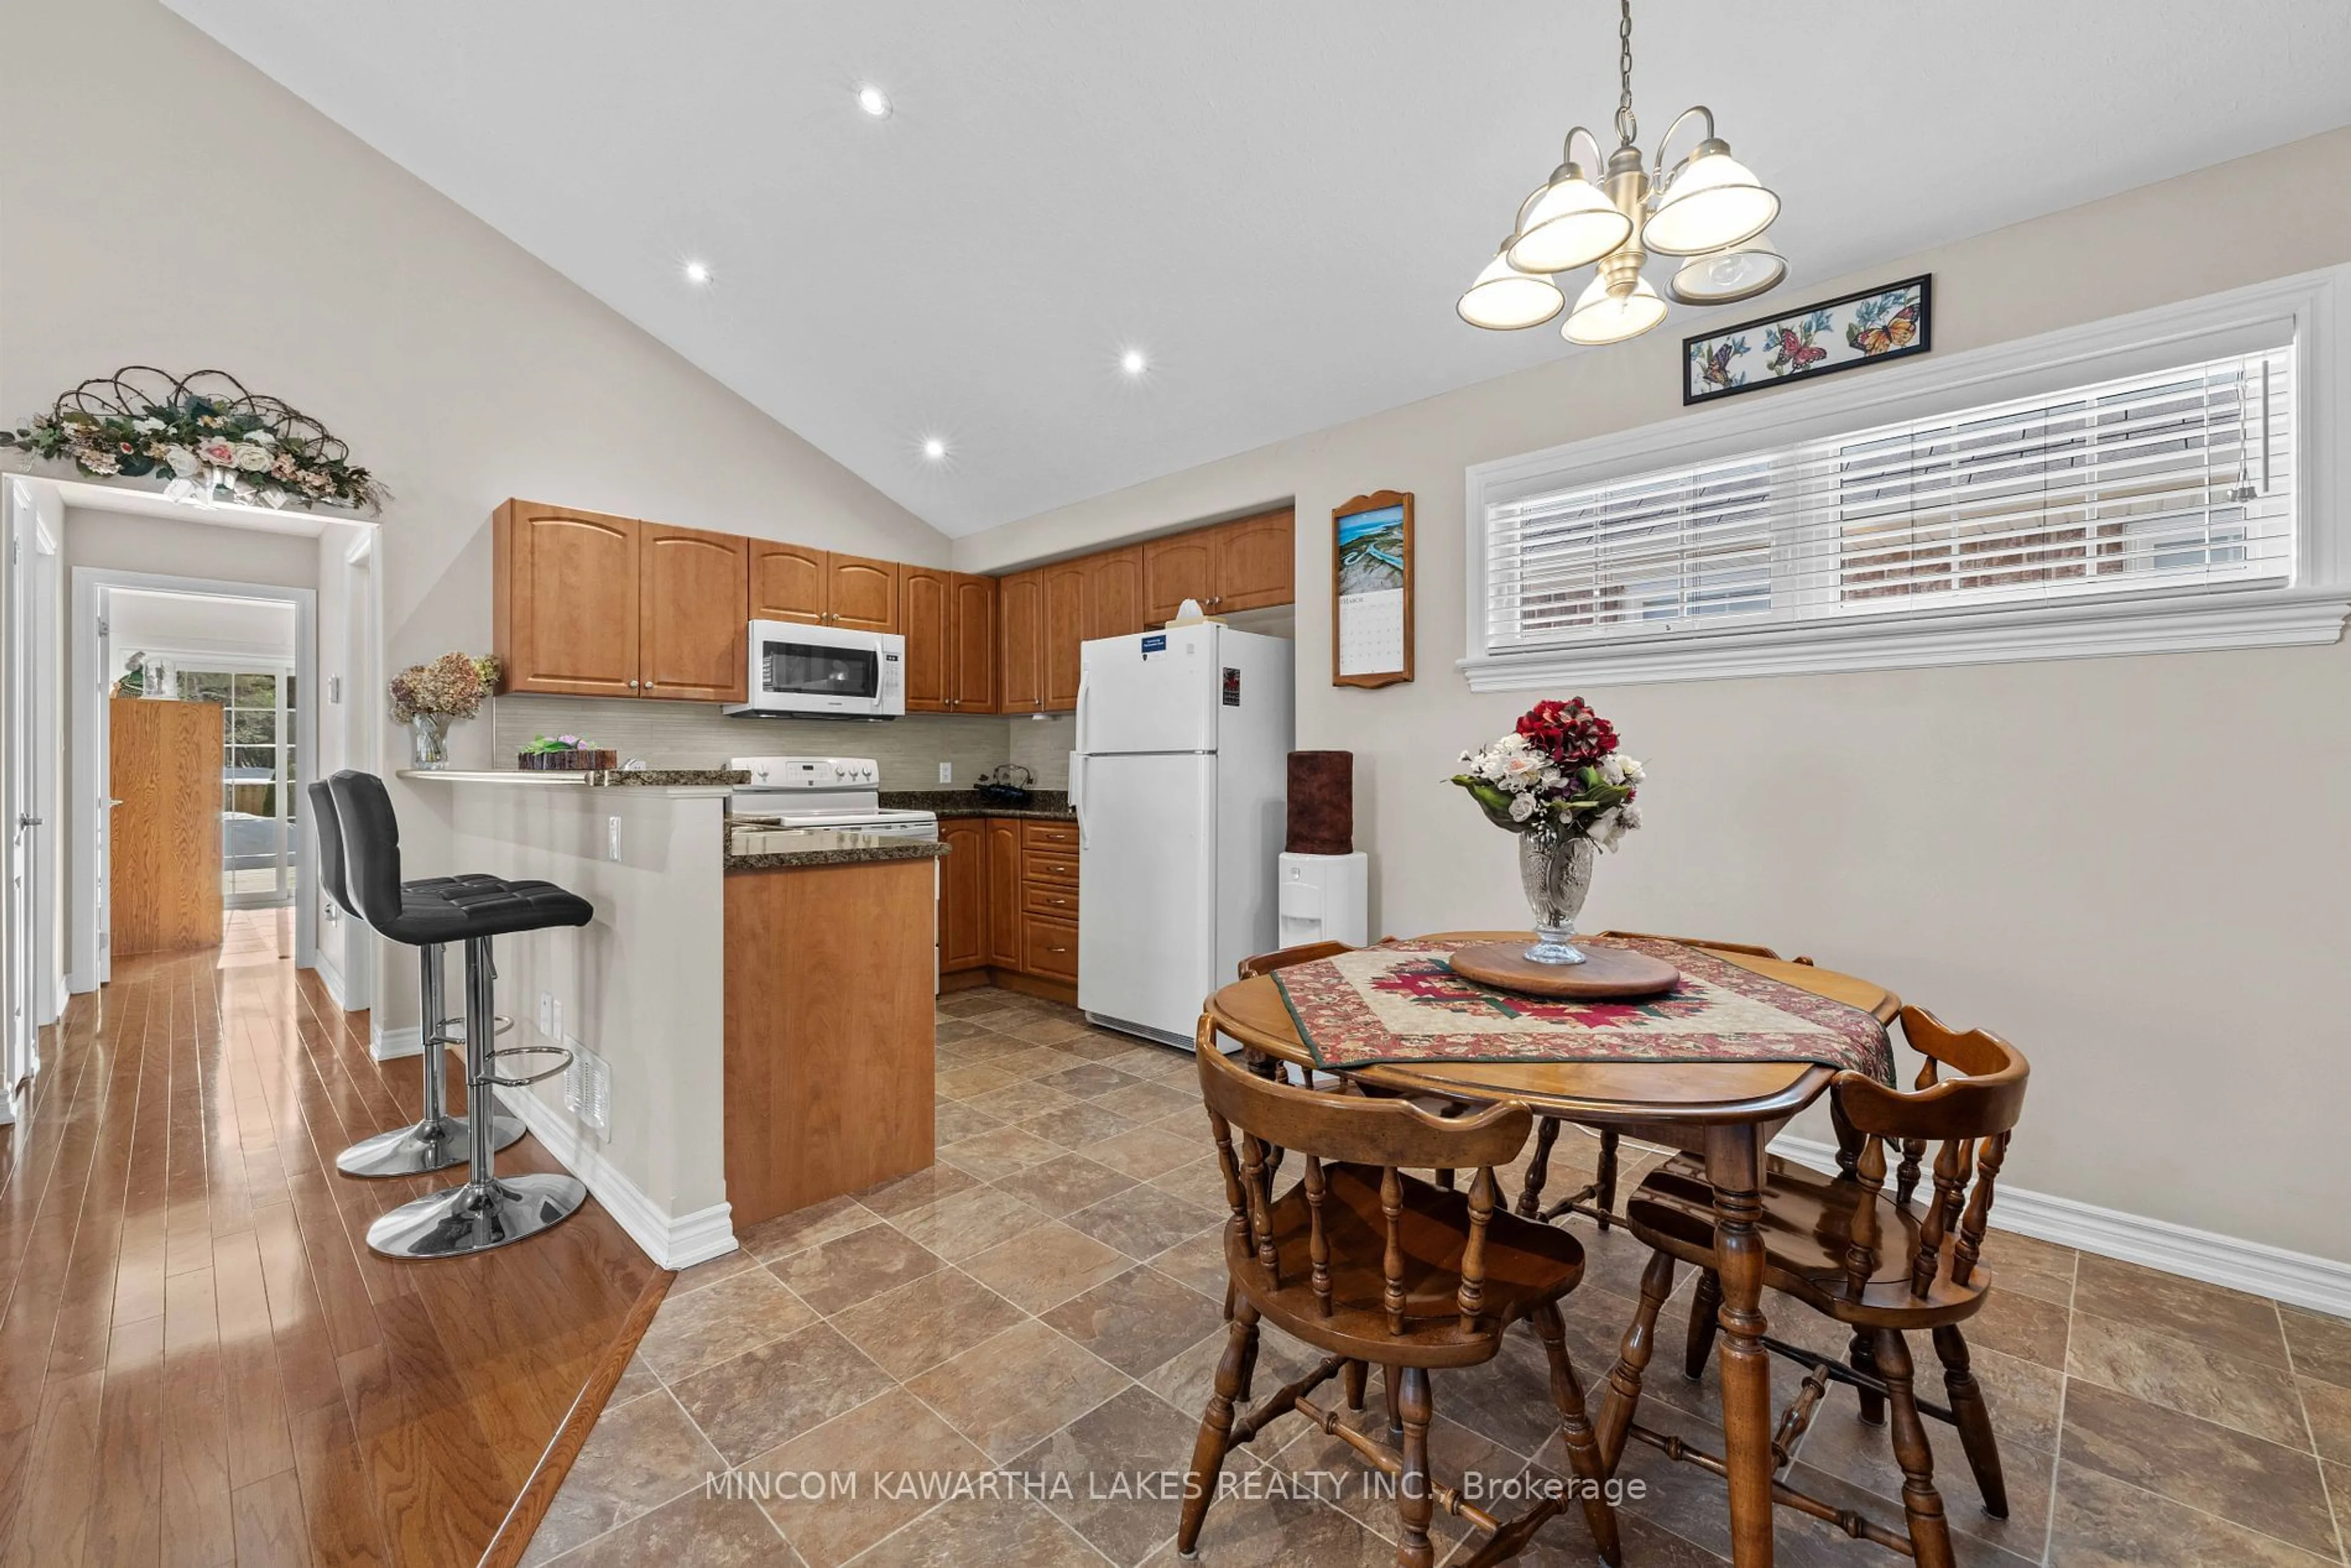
x: 2310, y: 609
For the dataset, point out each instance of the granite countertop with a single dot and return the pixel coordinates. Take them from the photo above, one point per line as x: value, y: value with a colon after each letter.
x: 664, y: 778
x: 1043, y: 805
x: 789, y: 848
x: 682, y: 781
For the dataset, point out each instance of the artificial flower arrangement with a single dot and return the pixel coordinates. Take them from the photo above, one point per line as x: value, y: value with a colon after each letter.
x: 209, y: 448
x: 1558, y: 774
x: 544, y: 746
x: 563, y: 754
x: 451, y: 686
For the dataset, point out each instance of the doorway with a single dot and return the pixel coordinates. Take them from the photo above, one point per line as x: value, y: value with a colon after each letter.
x: 208, y: 683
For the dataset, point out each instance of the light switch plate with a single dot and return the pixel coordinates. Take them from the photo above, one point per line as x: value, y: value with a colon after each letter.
x: 612, y: 838
x: 947, y: 772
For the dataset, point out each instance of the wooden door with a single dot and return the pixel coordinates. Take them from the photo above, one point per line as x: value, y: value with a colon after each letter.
x: 926, y: 604
x: 164, y: 767
x: 1114, y: 592
x: 1064, y: 595
x: 787, y: 583
x: 1255, y: 564
x: 691, y: 633
x: 861, y: 593
x: 974, y: 623
x: 564, y: 601
x: 1176, y: 569
x: 963, y: 896
x: 1020, y: 639
x: 1003, y: 934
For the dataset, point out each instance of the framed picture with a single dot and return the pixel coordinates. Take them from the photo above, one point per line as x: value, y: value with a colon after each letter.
x: 1371, y: 591
x: 1892, y: 322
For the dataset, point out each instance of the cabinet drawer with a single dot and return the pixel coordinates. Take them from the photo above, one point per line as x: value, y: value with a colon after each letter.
x: 1050, y: 865
x: 1039, y: 835
x: 1049, y: 947
x: 1051, y: 898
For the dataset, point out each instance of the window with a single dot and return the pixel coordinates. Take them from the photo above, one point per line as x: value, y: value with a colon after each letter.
x: 2115, y: 487
x: 259, y: 814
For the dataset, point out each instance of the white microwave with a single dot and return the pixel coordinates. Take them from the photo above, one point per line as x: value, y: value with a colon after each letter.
x: 824, y: 672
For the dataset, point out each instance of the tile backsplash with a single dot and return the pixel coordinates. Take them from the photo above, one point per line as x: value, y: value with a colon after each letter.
x: 696, y: 734
x: 1042, y: 747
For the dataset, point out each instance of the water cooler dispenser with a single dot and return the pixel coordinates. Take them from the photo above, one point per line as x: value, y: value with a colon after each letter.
x: 1323, y: 886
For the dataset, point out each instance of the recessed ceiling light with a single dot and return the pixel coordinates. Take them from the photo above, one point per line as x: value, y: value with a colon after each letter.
x: 697, y: 273
x: 1134, y: 362
x: 934, y: 448
x: 873, y: 101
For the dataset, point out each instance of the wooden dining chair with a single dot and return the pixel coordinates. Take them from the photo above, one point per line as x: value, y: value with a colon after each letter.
x: 1883, y: 1266
x: 1375, y: 1267
x: 1596, y: 1199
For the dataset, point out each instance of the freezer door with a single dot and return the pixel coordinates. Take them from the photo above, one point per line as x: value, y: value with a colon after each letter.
x: 1156, y: 691
x: 1146, y: 893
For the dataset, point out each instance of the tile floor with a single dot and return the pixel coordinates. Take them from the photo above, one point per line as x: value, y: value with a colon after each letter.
x: 1045, y: 1301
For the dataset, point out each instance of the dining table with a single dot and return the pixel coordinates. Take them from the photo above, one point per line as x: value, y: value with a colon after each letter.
x: 1726, y: 1111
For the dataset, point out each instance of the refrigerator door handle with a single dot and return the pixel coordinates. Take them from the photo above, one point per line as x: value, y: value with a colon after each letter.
x: 1078, y: 794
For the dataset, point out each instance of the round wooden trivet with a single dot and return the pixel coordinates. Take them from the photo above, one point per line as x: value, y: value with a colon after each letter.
x: 1606, y: 973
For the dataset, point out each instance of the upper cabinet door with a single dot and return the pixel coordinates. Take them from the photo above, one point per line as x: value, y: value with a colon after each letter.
x: 862, y: 594
x: 974, y: 683
x: 1115, y: 593
x: 926, y: 615
x: 1176, y: 569
x: 564, y: 598
x: 787, y: 583
x: 1020, y: 620
x: 1066, y: 620
x: 691, y: 637
x: 1254, y: 562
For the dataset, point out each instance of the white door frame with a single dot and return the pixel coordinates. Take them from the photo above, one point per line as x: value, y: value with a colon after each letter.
x: 31, y: 520
x: 359, y: 697
x: 90, y: 957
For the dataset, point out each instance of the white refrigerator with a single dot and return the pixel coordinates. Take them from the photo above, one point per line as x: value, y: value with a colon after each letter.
x: 1178, y: 780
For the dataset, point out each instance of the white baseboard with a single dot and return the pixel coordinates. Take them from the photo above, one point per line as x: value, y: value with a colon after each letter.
x: 392, y: 1045
x: 673, y: 1241
x: 332, y: 978
x: 79, y: 981
x: 2297, y: 1279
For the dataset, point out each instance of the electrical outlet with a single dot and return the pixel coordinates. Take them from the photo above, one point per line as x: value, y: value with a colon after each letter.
x: 545, y: 1013
x: 555, y: 1018
x: 947, y: 772
x: 612, y: 838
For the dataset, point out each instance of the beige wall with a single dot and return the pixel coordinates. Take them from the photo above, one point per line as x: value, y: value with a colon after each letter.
x: 2136, y: 868
x: 259, y: 237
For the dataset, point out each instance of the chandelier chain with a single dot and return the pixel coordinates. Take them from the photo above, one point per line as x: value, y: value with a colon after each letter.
x: 1628, y: 129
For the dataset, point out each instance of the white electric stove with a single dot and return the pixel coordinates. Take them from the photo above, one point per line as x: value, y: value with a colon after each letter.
x: 834, y: 792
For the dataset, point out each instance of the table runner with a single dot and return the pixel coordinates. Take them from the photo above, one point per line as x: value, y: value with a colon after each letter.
x: 1400, y: 1002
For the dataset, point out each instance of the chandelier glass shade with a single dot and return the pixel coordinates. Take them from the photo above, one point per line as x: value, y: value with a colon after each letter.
x: 1708, y: 208
x: 1504, y: 299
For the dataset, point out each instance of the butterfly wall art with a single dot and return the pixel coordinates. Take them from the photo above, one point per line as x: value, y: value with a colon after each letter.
x: 1854, y: 329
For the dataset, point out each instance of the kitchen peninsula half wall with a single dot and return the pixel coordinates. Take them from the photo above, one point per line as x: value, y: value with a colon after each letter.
x: 745, y: 1078
x: 696, y: 735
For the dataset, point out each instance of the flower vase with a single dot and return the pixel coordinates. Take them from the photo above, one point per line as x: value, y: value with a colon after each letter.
x: 1555, y: 871
x: 428, y: 741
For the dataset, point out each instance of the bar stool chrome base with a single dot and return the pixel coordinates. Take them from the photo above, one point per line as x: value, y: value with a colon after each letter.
x: 422, y: 1148
x: 477, y: 1217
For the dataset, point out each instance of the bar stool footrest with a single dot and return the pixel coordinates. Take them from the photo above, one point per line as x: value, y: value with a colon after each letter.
x: 527, y: 1079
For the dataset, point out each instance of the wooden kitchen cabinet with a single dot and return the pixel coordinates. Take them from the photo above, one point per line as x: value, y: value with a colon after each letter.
x: 1004, y: 893
x: 1066, y: 619
x: 972, y: 630
x: 963, y: 896
x: 1114, y: 592
x: 690, y: 641
x: 1021, y: 642
x: 823, y: 588
x: 1254, y: 561
x: 564, y: 601
x: 1176, y: 569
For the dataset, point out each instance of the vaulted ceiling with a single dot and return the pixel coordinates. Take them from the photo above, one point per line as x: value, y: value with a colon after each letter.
x: 1277, y: 204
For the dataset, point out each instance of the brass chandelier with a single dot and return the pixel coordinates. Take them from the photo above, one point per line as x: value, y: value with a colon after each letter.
x: 1709, y: 212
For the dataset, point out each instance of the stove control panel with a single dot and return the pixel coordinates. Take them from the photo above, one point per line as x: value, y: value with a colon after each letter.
x: 809, y: 772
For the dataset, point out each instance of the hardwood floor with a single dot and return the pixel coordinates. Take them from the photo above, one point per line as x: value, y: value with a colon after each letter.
x: 200, y: 1360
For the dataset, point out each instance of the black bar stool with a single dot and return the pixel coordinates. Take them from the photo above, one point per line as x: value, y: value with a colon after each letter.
x: 438, y: 1140
x: 488, y: 1211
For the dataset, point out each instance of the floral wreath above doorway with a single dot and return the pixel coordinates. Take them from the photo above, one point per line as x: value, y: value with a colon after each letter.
x: 211, y: 440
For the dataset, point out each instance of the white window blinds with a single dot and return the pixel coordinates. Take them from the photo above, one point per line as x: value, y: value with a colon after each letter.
x: 2178, y: 479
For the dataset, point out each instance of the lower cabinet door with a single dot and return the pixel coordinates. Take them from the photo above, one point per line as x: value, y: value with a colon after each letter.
x: 1002, y: 936
x: 1050, y: 948
x: 963, y: 896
